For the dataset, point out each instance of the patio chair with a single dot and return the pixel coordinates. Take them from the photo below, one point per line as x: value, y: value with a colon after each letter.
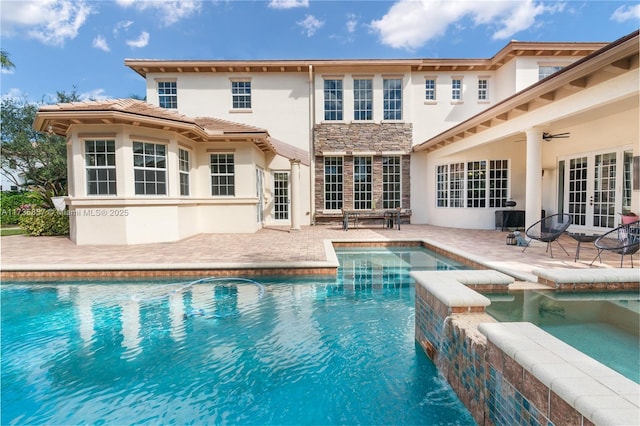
x: 548, y: 229
x: 623, y: 240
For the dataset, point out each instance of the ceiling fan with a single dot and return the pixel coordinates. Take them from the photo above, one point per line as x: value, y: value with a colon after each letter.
x: 548, y: 136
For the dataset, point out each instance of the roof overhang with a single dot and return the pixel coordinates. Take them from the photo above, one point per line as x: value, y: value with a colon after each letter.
x: 512, y: 50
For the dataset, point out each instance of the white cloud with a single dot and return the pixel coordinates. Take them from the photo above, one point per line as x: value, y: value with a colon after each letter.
x: 6, y: 70
x: 101, y: 43
x: 141, y: 41
x: 352, y: 22
x: 122, y: 25
x: 288, y: 4
x: 409, y: 24
x: 626, y: 13
x: 95, y: 95
x: 51, y: 21
x: 170, y: 11
x: 310, y: 25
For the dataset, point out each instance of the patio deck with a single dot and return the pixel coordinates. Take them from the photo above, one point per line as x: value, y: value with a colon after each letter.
x: 277, y: 249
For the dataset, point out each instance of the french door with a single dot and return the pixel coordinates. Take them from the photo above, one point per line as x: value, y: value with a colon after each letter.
x: 281, y: 196
x: 591, y: 191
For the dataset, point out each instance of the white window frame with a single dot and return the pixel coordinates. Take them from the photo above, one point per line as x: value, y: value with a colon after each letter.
x: 333, y: 183
x: 363, y: 182
x: 146, y: 175
x: 474, y: 184
x: 546, y: 69
x: 167, y: 96
x: 483, y: 89
x: 223, y: 182
x: 392, y: 99
x: 101, y: 162
x: 391, y: 181
x: 241, y: 94
x: 457, y: 86
x: 362, y: 99
x: 333, y: 99
x: 430, y: 92
x: 184, y: 160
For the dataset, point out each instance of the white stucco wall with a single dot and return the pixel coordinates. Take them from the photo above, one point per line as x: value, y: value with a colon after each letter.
x: 279, y: 102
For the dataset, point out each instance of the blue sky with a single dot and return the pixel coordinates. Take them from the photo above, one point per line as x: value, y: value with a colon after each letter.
x: 57, y: 45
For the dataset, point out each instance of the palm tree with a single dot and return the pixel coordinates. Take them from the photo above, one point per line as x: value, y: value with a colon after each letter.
x: 5, y: 62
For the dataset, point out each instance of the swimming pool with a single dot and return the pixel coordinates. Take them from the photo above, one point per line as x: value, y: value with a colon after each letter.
x: 604, y: 326
x: 295, y: 351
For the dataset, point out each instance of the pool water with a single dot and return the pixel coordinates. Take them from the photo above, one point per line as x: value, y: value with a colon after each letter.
x: 605, y: 326
x: 289, y: 351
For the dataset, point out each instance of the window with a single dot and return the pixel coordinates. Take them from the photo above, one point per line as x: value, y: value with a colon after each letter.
x: 333, y: 100
x: 498, y: 182
x: 442, y: 186
x: 241, y: 94
x: 457, y: 186
x: 392, y: 99
x: 333, y: 182
x: 456, y: 89
x: 222, y: 175
x: 545, y: 71
x: 476, y: 184
x: 168, y: 94
x: 391, y: 182
x: 483, y: 89
x: 430, y: 89
x: 362, y: 183
x: 100, y: 157
x: 184, y: 171
x: 150, y: 168
x: 362, y: 100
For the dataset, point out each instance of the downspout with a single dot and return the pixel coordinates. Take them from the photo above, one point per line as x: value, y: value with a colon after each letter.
x: 312, y: 158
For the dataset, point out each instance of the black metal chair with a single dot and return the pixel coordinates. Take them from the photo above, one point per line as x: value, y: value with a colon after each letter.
x: 623, y: 240
x: 548, y: 229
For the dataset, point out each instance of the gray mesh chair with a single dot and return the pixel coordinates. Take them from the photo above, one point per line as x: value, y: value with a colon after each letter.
x: 623, y: 240
x: 548, y: 229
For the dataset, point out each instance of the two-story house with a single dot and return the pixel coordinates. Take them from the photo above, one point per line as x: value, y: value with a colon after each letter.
x: 231, y: 146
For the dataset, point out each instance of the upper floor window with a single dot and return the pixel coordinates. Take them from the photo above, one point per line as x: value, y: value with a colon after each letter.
x: 150, y: 168
x: 392, y: 98
x: 430, y: 89
x: 456, y: 89
x: 222, y: 174
x: 241, y: 94
x: 333, y: 183
x: 100, y: 157
x: 545, y: 71
x: 483, y: 89
x: 362, y: 99
x: 333, y: 100
x: 185, y: 166
x: 168, y: 94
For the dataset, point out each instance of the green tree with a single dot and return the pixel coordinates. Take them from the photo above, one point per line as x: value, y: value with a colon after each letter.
x: 40, y: 157
x: 5, y: 62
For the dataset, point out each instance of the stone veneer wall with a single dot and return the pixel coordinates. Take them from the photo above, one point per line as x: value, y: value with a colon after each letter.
x: 354, y: 138
x: 491, y: 384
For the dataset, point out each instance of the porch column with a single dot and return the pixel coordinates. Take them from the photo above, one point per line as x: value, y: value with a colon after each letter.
x: 533, y: 198
x: 295, y: 195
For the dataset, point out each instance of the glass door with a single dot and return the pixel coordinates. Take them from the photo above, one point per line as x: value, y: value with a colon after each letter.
x: 281, y: 195
x: 592, y: 190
